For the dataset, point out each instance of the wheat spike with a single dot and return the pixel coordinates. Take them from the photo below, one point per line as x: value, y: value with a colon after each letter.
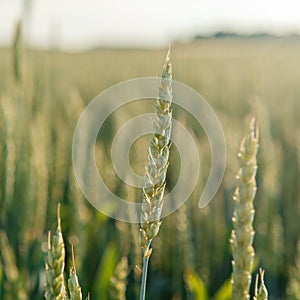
x: 55, y: 264
x: 158, y: 155
x: 243, y: 233
x: 118, y: 281
x: 262, y: 292
x: 156, y: 170
x: 73, y: 284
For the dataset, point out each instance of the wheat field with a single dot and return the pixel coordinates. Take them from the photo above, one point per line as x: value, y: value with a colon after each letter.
x: 42, y: 95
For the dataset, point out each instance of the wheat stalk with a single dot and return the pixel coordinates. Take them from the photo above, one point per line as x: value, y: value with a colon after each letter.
x: 17, y: 52
x: 55, y: 264
x: 15, y: 287
x: 40, y: 172
x: 156, y: 170
x: 243, y: 233
x: 9, y: 154
x: 183, y: 225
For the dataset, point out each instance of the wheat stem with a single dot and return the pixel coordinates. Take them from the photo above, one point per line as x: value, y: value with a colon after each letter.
x: 17, y: 52
x: 144, y: 277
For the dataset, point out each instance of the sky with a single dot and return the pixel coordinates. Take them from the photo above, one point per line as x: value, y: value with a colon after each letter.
x: 80, y: 24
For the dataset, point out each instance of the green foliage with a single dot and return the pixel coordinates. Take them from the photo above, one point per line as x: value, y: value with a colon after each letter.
x: 105, y: 271
x: 225, y: 291
x: 195, y: 285
x: 293, y: 289
x: 197, y: 288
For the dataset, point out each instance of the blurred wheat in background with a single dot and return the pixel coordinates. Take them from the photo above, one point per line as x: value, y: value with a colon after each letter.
x: 42, y: 94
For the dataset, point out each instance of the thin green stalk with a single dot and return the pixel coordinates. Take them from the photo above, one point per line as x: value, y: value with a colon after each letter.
x: 14, y: 287
x: 144, y: 277
x: 17, y: 52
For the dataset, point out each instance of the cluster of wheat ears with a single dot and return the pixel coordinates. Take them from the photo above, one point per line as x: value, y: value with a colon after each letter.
x: 152, y: 201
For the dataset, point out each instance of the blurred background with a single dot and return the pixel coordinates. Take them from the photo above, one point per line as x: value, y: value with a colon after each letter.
x: 56, y: 56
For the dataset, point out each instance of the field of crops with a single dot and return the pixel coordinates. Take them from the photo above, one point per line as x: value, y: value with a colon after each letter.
x: 42, y: 94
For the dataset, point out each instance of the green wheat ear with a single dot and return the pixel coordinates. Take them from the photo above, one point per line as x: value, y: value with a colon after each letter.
x: 158, y: 156
x: 243, y: 233
x: 262, y: 292
x: 118, y: 281
x: 55, y: 264
x: 73, y: 284
x: 156, y: 170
